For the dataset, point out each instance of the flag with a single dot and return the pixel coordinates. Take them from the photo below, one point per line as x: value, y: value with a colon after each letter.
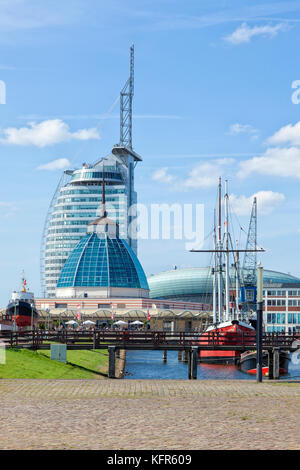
x: 78, y: 312
x: 148, y: 315
x: 112, y: 315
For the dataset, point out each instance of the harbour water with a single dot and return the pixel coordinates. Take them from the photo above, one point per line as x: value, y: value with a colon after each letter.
x: 150, y: 365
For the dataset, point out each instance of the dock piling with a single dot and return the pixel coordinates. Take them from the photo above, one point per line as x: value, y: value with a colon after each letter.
x: 276, y: 363
x: 112, y: 362
x: 270, y: 364
x: 185, y: 356
x: 193, y: 362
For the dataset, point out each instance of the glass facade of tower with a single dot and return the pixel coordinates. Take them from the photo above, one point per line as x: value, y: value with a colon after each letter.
x: 76, y: 203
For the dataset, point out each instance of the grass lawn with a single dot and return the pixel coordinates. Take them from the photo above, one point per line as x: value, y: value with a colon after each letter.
x: 25, y: 364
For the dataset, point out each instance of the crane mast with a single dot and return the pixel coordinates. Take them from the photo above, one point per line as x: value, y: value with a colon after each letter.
x: 126, y: 98
x: 250, y: 262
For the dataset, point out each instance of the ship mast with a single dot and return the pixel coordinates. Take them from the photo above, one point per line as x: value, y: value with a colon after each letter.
x: 237, y: 284
x: 215, y: 273
x: 23, y: 283
x: 218, y: 250
x: 219, y: 268
x: 226, y: 254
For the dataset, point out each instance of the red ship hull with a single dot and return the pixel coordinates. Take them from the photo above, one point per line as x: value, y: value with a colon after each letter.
x: 226, y: 334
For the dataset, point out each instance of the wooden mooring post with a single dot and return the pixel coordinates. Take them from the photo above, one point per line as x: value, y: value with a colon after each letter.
x: 270, y: 364
x: 276, y: 352
x: 193, y: 362
x: 165, y: 356
x: 96, y: 341
x: 179, y: 355
x: 111, y: 362
x: 185, y: 356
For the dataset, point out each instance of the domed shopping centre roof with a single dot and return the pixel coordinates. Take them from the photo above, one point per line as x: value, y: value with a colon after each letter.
x: 101, y: 261
x: 195, y: 281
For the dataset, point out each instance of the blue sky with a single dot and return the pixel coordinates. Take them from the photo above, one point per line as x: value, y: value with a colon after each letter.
x: 213, y: 96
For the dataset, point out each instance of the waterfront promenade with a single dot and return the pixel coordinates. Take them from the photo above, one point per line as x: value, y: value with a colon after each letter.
x: 149, y: 414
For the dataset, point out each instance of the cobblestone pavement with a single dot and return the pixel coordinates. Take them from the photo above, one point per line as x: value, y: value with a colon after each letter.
x: 144, y: 414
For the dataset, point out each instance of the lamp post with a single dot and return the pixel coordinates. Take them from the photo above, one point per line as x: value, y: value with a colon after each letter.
x: 259, y: 322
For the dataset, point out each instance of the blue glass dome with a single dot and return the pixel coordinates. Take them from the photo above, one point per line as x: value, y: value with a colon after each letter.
x: 101, y: 261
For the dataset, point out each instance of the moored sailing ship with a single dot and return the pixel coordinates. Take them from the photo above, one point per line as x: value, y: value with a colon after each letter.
x: 231, y: 326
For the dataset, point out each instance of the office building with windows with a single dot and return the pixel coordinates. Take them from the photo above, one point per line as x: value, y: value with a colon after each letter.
x: 282, y: 307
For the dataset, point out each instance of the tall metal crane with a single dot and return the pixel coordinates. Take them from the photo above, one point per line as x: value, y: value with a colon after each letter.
x: 126, y: 97
x: 250, y: 262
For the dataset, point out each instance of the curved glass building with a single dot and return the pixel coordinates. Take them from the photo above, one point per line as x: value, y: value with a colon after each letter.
x: 76, y: 203
x: 196, y: 284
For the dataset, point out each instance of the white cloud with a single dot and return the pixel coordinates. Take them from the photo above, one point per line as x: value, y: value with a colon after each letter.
x: 267, y: 201
x: 287, y: 134
x: 205, y: 175
x: 237, y: 128
x: 45, y: 133
x: 162, y: 176
x: 29, y: 14
x: 244, y: 33
x: 275, y: 162
x: 59, y: 164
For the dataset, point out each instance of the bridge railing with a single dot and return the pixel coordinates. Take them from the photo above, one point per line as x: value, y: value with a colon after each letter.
x: 183, y: 339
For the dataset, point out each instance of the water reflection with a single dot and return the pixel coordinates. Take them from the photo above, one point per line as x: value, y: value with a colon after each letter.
x: 149, y: 365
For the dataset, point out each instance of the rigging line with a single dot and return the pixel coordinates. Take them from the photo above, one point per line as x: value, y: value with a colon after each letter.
x: 208, y: 235
x: 98, y: 126
x: 235, y: 215
x: 208, y: 274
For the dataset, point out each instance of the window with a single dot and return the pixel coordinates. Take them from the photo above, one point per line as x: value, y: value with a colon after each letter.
x: 271, y: 318
x: 121, y: 305
x: 57, y: 305
x: 292, y: 318
x: 103, y: 305
x: 280, y: 318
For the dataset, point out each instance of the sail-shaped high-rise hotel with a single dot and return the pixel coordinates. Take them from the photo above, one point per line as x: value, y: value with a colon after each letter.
x: 78, y: 196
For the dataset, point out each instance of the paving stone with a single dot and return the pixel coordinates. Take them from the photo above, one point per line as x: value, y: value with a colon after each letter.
x: 144, y: 414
